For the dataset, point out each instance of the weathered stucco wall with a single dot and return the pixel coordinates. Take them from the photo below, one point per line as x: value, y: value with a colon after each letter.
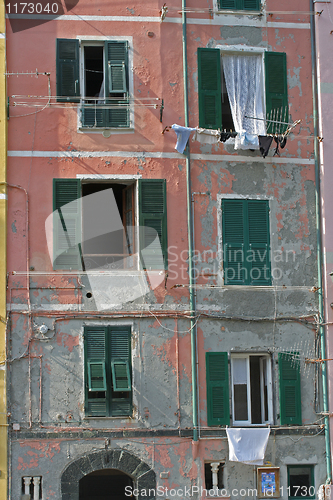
x: 46, y: 386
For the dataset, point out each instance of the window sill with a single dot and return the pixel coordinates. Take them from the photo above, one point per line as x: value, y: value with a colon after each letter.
x: 128, y: 417
x: 106, y: 131
x: 240, y: 12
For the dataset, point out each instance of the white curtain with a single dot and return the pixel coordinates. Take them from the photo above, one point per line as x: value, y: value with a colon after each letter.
x: 243, y: 77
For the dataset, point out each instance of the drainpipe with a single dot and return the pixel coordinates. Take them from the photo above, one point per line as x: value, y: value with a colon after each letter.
x: 190, y: 224
x: 319, y: 244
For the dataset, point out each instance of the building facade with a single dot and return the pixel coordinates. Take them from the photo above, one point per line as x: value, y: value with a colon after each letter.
x: 3, y: 270
x: 163, y: 302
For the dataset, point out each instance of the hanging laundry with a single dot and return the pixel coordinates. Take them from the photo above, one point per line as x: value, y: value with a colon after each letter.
x: 265, y: 142
x: 206, y: 136
x: 281, y: 140
x: 225, y: 136
x: 248, y: 445
x: 183, y: 134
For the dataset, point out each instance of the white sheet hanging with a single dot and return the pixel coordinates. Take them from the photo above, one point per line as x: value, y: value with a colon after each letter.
x: 243, y: 77
x: 248, y: 445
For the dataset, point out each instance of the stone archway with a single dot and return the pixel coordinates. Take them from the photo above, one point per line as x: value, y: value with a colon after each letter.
x: 143, y: 475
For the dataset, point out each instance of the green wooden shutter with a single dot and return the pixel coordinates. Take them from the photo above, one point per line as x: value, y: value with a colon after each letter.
x: 209, y: 88
x: 239, y: 4
x: 259, y: 250
x: 116, y: 77
x: 66, y: 224
x: 217, y: 380
x: 276, y: 90
x: 95, y: 355
x: 120, y: 357
x: 290, y: 389
x: 234, y: 242
x: 152, y: 219
x: 68, y: 77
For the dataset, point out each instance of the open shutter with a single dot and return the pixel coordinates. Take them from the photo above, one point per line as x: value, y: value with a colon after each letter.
x: 66, y: 224
x: 95, y: 370
x: 259, y: 251
x: 120, y: 375
x: 276, y: 90
x: 117, y: 114
x: 217, y: 388
x: 152, y: 220
x: 209, y: 88
x: 68, y: 78
x: 290, y: 389
x: 120, y: 363
x: 234, y: 242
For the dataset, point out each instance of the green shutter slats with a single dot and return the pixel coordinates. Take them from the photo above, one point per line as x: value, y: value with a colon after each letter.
x: 68, y: 79
x: 246, y: 247
x: 95, y: 353
x: 66, y: 224
x: 217, y: 381
x: 276, y: 90
x: 259, y: 249
x: 290, y: 389
x: 209, y: 88
x: 92, y: 116
x: 120, y: 343
x: 117, y: 115
x: 120, y: 375
x: 239, y: 4
x: 96, y: 376
x: 153, y: 216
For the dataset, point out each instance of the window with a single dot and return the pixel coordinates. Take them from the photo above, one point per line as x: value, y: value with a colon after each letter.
x: 103, y: 88
x: 32, y: 487
x: 231, y: 91
x: 214, y: 476
x: 246, y: 247
x: 95, y: 224
x: 301, y: 482
x: 108, y: 385
x: 239, y: 4
x: 251, y: 389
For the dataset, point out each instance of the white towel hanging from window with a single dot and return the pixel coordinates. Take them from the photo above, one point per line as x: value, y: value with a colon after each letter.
x: 243, y: 77
x: 248, y: 445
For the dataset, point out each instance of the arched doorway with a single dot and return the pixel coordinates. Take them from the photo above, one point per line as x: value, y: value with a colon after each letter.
x: 105, y: 484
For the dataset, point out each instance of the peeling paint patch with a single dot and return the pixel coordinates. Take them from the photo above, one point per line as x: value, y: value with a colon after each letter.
x: 14, y: 227
x: 69, y: 341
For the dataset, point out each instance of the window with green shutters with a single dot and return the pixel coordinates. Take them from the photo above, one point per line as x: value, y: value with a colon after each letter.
x: 290, y: 389
x: 75, y: 218
x: 214, y: 107
x: 246, y: 242
x: 108, y: 368
x: 102, y: 88
x: 239, y: 4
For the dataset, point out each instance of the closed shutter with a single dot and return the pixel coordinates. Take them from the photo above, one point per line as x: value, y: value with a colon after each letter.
x: 66, y: 224
x: 152, y: 220
x: 209, y: 88
x: 276, y: 90
x: 120, y: 364
x: 239, y: 4
x: 96, y: 371
x: 290, y: 389
x: 217, y: 388
x: 259, y: 250
x: 234, y: 242
x: 68, y: 79
x: 117, y: 84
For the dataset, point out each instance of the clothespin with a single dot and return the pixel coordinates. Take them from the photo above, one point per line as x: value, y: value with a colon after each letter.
x: 163, y: 12
x: 166, y: 129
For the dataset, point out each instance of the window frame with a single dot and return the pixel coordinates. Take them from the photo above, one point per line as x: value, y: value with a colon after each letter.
x: 223, y: 244
x: 110, y: 402
x: 150, y: 214
x: 312, y: 480
x: 248, y: 423
x: 84, y: 41
x: 270, y: 59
